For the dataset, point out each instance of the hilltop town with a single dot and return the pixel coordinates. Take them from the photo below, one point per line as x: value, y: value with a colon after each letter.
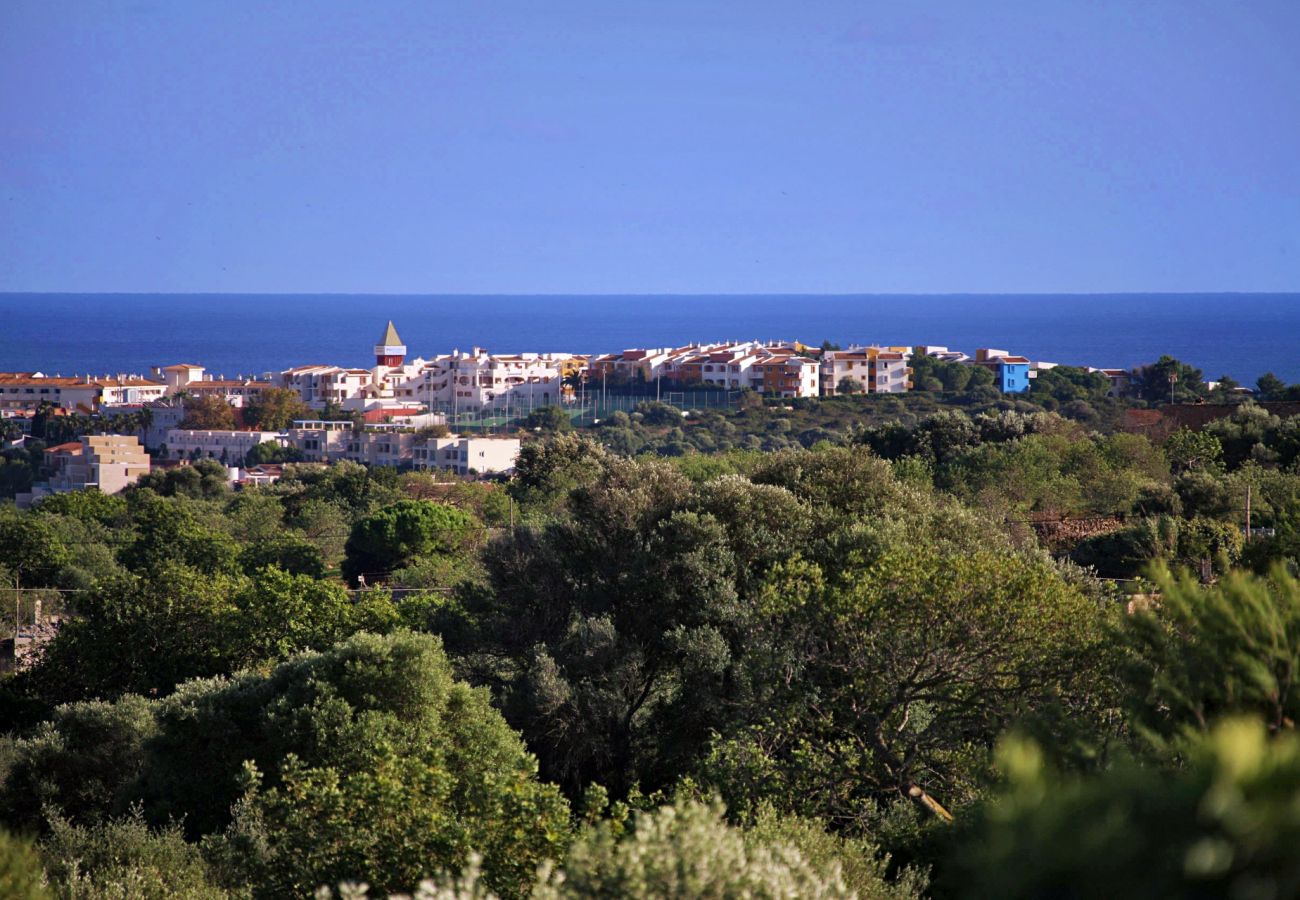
x: 445, y: 412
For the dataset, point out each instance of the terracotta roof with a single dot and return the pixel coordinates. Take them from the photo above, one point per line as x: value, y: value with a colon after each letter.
x: 1012, y: 359
x: 14, y: 379
x: 64, y: 448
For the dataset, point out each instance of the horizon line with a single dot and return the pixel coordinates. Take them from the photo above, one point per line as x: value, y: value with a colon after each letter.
x: 548, y: 294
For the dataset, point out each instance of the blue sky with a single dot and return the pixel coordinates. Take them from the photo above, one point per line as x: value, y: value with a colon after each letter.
x: 743, y: 146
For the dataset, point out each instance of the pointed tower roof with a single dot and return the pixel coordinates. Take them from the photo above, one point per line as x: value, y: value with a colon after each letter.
x: 390, y: 338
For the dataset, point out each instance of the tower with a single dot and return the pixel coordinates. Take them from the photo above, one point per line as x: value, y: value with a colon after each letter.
x: 390, y: 351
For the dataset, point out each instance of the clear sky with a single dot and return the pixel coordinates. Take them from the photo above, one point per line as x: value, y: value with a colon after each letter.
x: 616, y: 146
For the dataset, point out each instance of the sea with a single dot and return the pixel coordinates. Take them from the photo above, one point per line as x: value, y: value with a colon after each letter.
x: 1241, y: 335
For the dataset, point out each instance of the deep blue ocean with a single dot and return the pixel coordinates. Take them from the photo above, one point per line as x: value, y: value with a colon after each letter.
x: 1242, y: 335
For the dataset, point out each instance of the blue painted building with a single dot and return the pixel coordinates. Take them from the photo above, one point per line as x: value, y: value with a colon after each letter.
x: 1013, y: 375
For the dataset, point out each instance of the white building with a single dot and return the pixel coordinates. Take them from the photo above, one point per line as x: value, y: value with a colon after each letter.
x: 320, y: 441
x: 380, y: 445
x: 238, y: 392
x: 478, y: 380
x: 392, y: 382
x: 877, y: 370
x: 941, y: 353
x: 318, y: 385
x: 163, y: 418
x: 83, y: 393
x: 468, y: 455
x: 226, y: 446
x: 179, y: 376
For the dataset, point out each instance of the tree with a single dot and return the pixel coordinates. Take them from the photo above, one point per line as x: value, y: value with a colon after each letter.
x: 896, y: 676
x: 659, y: 414
x: 279, y: 614
x: 546, y: 471
x: 265, y: 452
x: 290, y: 553
x: 139, y: 634
x: 1221, y: 825
x: 365, y: 761
x: 1208, y: 652
x: 275, y: 409
x: 204, y: 480
x: 30, y: 550
x: 333, y: 412
x: 1270, y: 387
x: 686, y: 850
x: 85, y: 506
x: 1153, y: 382
x: 849, y: 385
x: 208, y: 413
x: 1190, y: 451
x: 124, y: 857
x: 402, y: 533
x: 610, y: 631
x: 170, y: 531
x: 78, y: 762
x: 21, y: 877
x: 1069, y: 383
x: 368, y: 761
x: 426, y: 433
x: 548, y: 418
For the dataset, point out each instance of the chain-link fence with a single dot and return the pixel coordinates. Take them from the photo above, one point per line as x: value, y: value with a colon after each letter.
x: 588, y: 407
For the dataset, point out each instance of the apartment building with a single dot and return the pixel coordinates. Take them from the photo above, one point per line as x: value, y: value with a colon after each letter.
x: 107, y: 462
x: 478, y: 379
x: 1119, y: 380
x: 179, y: 376
x: 227, y: 446
x: 467, y: 455
x: 940, y: 353
x: 163, y: 417
x: 775, y: 368
x: 646, y: 364
x: 380, y: 445
x: 877, y: 370
x: 320, y: 440
x: 392, y: 382
x: 239, y: 393
x: 319, y: 384
x: 85, y: 393
x: 788, y: 377
x: 1011, y: 373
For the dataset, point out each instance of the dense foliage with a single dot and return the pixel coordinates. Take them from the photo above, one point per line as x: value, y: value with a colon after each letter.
x: 863, y: 646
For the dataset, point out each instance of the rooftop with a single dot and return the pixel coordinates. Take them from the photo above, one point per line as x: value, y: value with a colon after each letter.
x: 390, y: 338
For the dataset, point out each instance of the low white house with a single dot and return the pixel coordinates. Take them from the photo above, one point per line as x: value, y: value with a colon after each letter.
x: 227, y: 446
x: 380, y: 445
x: 321, y: 440
x: 467, y: 455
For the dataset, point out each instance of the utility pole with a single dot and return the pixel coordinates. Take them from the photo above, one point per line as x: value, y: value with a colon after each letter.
x: 1248, y: 514
x: 1173, y: 379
